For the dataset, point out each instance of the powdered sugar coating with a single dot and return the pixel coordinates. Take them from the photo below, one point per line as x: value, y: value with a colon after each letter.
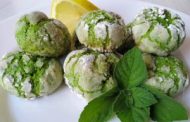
x: 101, y: 30
x: 158, y: 31
x: 88, y: 72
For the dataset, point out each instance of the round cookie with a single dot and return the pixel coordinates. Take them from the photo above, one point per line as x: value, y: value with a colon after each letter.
x: 89, y: 73
x: 38, y: 35
x: 102, y: 31
x: 29, y: 76
x: 167, y: 74
x: 158, y: 31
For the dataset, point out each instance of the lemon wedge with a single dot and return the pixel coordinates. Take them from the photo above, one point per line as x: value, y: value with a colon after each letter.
x: 70, y: 11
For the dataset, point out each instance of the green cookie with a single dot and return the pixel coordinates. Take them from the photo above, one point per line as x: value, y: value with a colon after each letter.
x: 158, y: 31
x: 168, y: 74
x: 38, y: 35
x: 102, y: 31
x: 89, y: 73
x: 30, y: 76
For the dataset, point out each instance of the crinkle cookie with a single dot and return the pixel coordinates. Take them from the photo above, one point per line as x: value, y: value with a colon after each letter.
x: 89, y: 73
x: 167, y: 74
x: 102, y: 31
x: 158, y: 31
x: 30, y: 76
x: 38, y: 35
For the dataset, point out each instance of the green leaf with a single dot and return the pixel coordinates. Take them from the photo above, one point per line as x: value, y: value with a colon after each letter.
x: 128, y: 113
x: 142, y: 97
x: 133, y: 114
x: 154, y: 91
x: 121, y: 101
x: 166, y: 109
x: 100, y: 109
x: 131, y: 70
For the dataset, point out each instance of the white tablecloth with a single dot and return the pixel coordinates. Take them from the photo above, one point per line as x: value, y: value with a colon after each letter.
x: 9, y: 8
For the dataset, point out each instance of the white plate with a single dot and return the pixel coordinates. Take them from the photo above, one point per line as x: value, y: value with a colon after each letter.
x: 63, y: 105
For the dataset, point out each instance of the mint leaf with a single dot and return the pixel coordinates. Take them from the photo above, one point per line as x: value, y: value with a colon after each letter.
x: 142, y: 97
x: 166, y: 109
x: 131, y: 70
x: 154, y: 91
x: 100, y: 109
x: 126, y: 112
x: 121, y: 101
x: 133, y: 114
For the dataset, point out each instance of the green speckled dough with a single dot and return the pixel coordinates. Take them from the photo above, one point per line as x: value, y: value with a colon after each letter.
x: 89, y: 73
x: 158, y: 31
x: 168, y: 74
x: 38, y: 35
x: 29, y: 76
x: 101, y: 30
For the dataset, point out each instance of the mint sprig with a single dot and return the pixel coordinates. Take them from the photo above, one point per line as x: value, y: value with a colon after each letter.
x: 126, y: 112
x: 133, y: 101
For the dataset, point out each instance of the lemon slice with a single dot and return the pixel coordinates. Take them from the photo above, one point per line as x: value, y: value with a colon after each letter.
x: 70, y: 11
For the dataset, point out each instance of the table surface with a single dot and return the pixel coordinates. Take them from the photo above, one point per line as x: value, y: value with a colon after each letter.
x: 9, y: 8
